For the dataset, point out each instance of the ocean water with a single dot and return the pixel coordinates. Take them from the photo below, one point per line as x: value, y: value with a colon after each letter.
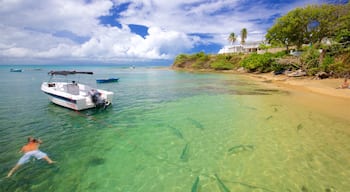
x: 171, y: 131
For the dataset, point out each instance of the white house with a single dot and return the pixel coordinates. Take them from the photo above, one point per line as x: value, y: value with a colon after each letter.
x: 248, y: 47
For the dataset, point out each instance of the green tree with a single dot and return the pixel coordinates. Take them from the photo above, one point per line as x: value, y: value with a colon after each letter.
x: 279, y: 34
x: 232, y: 38
x: 311, y: 24
x: 322, y: 22
x: 342, y: 32
x: 244, y: 34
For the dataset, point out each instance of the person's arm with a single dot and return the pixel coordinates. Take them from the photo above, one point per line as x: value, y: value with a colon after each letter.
x: 21, y: 150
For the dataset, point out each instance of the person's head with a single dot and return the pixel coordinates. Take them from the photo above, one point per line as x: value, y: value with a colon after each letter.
x: 30, y: 139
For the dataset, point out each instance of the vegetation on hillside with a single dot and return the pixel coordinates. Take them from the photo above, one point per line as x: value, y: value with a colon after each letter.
x: 325, y: 29
x: 202, y: 61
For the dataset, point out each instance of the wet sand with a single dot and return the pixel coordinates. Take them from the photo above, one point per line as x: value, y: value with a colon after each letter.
x: 320, y: 86
x: 321, y: 94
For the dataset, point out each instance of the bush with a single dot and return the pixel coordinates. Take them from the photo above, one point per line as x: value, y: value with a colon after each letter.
x: 259, y: 62
x: 336, y: 62
x: 327, y: 61
x: 199, y: 60
x: 339, y: 69
x: 310, y: 58
x: 277, y: 66
x: 313, y: 71
x: 180, y: 60
x: 280, y: 54
x: 221, y: 64
x: 197, y: 55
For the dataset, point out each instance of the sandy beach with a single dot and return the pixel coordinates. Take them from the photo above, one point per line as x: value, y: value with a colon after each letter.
x: 321, y: 94
x: 326, y: 87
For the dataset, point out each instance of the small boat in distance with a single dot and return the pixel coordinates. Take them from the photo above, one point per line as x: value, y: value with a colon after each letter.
x: 109, y: 80
x: 16, y: 70
x: 73, y: 95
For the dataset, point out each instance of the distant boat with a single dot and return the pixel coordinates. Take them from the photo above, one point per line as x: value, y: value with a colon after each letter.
x: 16, y: 70
x: 109, y: 80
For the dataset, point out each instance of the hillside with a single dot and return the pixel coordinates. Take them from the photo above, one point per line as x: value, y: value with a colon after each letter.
x: 311, y: 61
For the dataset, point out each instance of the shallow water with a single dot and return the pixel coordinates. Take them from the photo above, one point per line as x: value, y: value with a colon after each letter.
x: 172, y: 131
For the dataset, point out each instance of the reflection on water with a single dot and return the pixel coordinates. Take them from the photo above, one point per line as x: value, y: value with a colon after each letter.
x: 171, y: 131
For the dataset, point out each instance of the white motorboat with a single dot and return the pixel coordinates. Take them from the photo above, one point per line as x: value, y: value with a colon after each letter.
x: 75, y: 95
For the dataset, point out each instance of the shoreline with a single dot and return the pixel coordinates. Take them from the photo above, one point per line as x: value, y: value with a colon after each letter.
x: 326, y: 87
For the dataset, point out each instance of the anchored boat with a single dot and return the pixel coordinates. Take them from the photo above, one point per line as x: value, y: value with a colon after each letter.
x: 16, y: 70
x: 73, y: 95
x: 109, y: 80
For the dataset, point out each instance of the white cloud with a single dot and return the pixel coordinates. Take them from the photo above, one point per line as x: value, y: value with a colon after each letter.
x: 29, y: 28
x: 54, y: 15
x: 218, y: 17
x: 113, y: 43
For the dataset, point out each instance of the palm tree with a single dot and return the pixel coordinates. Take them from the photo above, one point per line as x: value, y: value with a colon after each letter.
x: 232, y: 38
x: 244, y: 34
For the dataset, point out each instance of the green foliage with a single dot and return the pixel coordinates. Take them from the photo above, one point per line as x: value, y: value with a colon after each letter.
x: 339, y: 69
x: 259, y: 62
x: 263, y: 46
x: 221, y: 64
x: 279, y: 54
x: 198, y: 55
x: 232, y: 38
x: 244, y: 34
x: 343, y: 36
x: 310, y: 58
x: 311, y: 61
x: 201, y: 60
x: 341, y: 65
x: 311, y: 24
x: 197, y: 60
x: 313, y: 71
x: 289, y: 29
x: 327, y: 61
x: 180, y: 60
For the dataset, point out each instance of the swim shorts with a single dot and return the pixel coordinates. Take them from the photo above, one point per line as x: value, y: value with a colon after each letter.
x: 26, y: 157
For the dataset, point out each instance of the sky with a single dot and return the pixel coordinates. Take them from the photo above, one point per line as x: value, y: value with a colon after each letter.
x: 129, y: 31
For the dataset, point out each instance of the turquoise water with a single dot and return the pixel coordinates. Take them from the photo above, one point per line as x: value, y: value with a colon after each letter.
x: 171, y: 131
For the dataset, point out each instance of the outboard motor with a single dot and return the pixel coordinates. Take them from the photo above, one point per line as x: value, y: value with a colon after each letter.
x: 97, y: 99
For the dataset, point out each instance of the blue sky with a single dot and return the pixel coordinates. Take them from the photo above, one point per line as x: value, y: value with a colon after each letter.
x: 124, y: 31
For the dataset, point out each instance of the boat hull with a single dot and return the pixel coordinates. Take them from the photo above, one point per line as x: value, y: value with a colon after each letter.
x: 16, y: 70
x: 111, y: 80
